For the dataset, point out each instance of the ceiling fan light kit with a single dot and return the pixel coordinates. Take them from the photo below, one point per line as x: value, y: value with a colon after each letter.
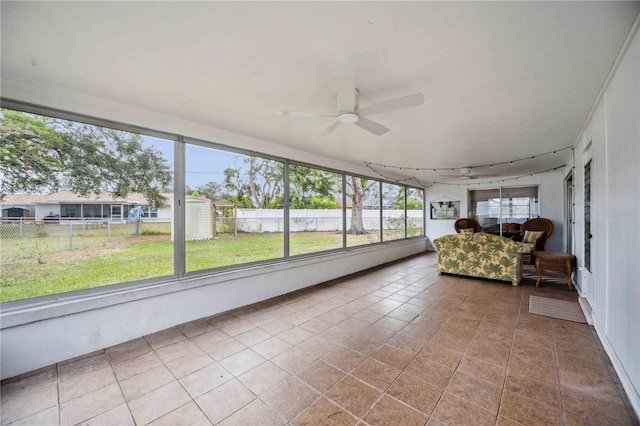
x: 348, y: 118
x: 350, y: 111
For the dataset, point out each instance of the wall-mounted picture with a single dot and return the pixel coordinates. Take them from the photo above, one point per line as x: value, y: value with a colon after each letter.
x: 445, y: 210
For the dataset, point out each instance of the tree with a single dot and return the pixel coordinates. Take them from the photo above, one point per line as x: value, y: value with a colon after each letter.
x: 312, y: 188
x: 357, y: 190
x: 211, y: 190
x: 40, y: 154
x: 258, y: 180
x: 413, y: 201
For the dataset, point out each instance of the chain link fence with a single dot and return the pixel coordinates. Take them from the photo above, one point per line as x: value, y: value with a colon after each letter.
x: 31, y: 239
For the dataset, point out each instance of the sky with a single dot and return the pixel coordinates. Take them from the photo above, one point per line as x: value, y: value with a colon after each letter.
x: 203, y: 165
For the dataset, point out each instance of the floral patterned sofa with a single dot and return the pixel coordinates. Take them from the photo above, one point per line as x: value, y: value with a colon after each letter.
x: 481, y: 255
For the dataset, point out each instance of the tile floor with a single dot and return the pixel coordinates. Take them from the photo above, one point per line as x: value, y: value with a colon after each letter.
x: 398, y: 345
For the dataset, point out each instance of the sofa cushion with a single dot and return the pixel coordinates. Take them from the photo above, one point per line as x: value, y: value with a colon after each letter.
x: 467, y: 231
x: 532, y: 236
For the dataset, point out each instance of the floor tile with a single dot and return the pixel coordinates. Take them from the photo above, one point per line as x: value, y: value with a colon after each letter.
x: 255, y: 413
x: 188, y: 414
x: 263, y: 378
x: 545, y: 392
x: 321, y: 375
x: 253, y: 336
x: 436, y: 374
x: 85, y: 380
x: 416, y: 393
x: 224, y: 349
x: 441, y: 355
x: 137, y: 365
x: 188, y: 364
x: 354, y: 395
x: 165, y: 337
x: 177, y: 350
x: 392, y: 356
x: 24, y: 404
x: 376, y: 373
x: 323, y: 412
x: 136, y: 386
x: 128, y: 350
x: 195, y: 328
x: 452, y: 410
x: 407, y: 343
x: 295, y: 335
x: 225, y: 400
x: 119, y: 416
x: 90, y: 405
x: 271, y: 347
x: 290, y: 397
x: 471, y: 388
x: 389, y: 411
x: 528, y: 411
x: 205, y: 379
x: 294, y: 360
x: 486, y: 371
x: 47, y: 417
x: 242, y: 362
x: 344, y: 358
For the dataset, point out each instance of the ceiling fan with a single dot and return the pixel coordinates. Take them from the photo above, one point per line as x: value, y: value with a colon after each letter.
x: 349, y: 111
x: 466, y: 173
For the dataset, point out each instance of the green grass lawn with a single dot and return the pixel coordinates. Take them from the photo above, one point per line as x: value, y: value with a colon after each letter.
x: 40, y: 273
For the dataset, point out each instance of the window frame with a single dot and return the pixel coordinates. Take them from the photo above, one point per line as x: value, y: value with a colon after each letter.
x: 179, y: 169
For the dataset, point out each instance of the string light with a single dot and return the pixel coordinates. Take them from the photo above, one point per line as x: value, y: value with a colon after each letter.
x: 479, y: 166
x: 497, y: 180
x: 414, y: 179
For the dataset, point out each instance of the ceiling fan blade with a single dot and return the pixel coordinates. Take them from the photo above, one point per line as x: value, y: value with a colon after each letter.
x: 331, y: 128
x: 346, y: 90
x: 306, y: 114
x: 394, y: 104
x: 371, y: 126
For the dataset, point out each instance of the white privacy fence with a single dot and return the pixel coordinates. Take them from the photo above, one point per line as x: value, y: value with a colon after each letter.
x: 302, y: 220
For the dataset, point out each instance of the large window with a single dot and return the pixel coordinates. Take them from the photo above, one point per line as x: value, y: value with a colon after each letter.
x: 393, y: 214
x: 363, y: 211
x: 87, y: 206
x: 415, y: 212
x: 315, y: 210
x: 69, y: 178
x: 233, y: 208
x: 494, y: 207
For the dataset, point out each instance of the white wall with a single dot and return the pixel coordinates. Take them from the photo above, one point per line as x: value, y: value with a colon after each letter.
x: 611, y: 138
x: 550, y: 195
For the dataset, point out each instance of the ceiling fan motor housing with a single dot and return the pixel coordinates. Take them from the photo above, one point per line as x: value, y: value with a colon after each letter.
x: 348, y: 117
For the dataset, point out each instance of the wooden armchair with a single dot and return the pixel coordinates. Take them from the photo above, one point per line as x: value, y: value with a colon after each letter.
x: 466, y: 223
x: 537, y: 224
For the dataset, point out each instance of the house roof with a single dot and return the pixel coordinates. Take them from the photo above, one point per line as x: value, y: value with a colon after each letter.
x: 70, y: 197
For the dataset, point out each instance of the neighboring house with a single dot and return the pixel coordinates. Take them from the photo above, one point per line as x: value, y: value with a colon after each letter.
x: 69, y: 206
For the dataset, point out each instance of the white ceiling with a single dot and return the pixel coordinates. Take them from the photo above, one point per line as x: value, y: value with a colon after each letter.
x: 501, y: 80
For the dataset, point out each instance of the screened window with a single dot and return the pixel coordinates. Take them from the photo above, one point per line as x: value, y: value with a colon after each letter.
x: 315, y: 210
x: 234, y: 210
x: 63, y: 247
x: 415, y: 212
x: 363, y: 211
x: 393, y: 214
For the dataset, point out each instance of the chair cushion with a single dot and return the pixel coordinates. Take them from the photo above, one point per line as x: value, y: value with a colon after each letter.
x: 467, y: 231
x: 532, y: 236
